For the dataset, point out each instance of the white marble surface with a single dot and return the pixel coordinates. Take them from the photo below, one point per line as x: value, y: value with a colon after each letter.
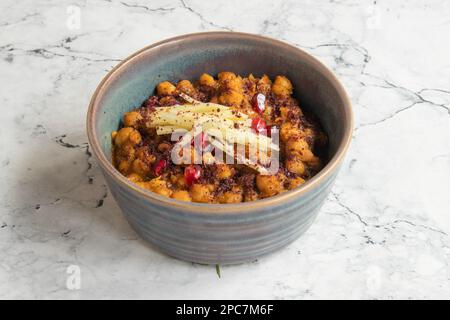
x: 383, y: 232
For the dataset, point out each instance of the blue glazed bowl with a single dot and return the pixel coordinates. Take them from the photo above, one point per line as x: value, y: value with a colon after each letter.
x: 219, y: 233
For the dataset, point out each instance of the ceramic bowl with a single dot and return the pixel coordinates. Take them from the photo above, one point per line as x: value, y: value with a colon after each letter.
x: 216, y: 233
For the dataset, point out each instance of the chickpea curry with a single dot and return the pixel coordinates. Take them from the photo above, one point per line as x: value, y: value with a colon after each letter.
x: 249, y: 111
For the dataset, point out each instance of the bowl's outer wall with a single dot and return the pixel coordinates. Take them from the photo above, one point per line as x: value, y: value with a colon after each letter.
x: 219, y: 239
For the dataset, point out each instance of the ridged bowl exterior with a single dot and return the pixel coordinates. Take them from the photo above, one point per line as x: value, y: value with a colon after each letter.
x: 218, y: 239
x: 215, y: 233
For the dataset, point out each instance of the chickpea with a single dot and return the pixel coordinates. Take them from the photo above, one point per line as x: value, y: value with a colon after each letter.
x: 309, y: 132
x: 288, y: 130
x: 315, y: 163
x: 294, y: 183
x: 281, y: 177
x: 173, y: 178
x: 144, y: 155
x: 265, y: 80
x: 165, y: 88
x: 179, y: 181
x: 234, y: 84
x: 126, y: 152
x: 168, y: 101
x: 202, y: 192
x: 127, y: 135
x: 223, y: 171
x: 186, y: 87
x: 300, y: 148
x: 124, y: 166
x: 250, y: 85
x: 232, y: 196
x: 295, y: 165
x: 142, y: 184
x: 295, y: 113
x: 283, y: 81
x: 231, y: 98
x: 250, y: 195
x: 264, y: 84
x: 131, y: 119
x: 269, y: 185
x: 278, y: 121
x: 140, y: 167
x: 268, y: 111
x: 226, y: 76
x: 207, y: 80
x: 181, y: 195
x: 284, y: 112
x: 278, y: 90
x: 282, y: 86
x: 296, y: 143
x: 160, y: 187
x: 162, y: 147
x: 157, y: 185
x: 134, y: 177
x: 135, y: 137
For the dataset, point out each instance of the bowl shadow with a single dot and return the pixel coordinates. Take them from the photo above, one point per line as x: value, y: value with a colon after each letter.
x: 62, y: 198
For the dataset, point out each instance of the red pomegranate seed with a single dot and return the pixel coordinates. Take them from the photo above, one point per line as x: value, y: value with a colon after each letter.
x: 258, y: 102
x: 203, y: 140
x: 191, y: 174
x: 258, y: 125
x: 159, y: 167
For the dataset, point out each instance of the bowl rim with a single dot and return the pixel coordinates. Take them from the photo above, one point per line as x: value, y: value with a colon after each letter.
x: 208, y: 208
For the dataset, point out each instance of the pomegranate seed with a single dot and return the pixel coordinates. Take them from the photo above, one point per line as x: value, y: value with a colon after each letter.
x: 160, y: 166
x: 203, y: 140
x: 258, y: 102
x: 258, y: 125
x: 191, y: 174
